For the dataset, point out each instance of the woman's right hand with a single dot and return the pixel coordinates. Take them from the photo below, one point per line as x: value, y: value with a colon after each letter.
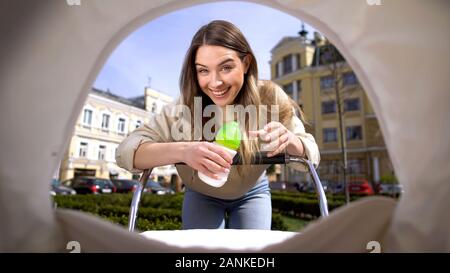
x: 207, y: 158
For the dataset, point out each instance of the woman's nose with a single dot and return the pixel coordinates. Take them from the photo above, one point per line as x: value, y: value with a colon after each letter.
x: 215, y: 82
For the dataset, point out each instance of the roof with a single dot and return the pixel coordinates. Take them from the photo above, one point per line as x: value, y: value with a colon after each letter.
x: 138, y: 102
x: 284, y: 41
x: 325, y: 57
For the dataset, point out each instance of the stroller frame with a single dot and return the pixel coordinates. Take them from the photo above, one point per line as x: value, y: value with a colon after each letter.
x: 260, y: 159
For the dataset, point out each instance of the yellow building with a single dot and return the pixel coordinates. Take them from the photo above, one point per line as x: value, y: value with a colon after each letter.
x: 104, y: 122
x: 297, y: 65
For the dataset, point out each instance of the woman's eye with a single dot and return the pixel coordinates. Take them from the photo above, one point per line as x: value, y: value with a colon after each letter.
x: 226, y: 68
x: 202, y: 71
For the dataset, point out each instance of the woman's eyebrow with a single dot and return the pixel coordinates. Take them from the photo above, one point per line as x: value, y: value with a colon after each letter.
x: 221, y: 63
x: 200, y: 64
x: 226, y: 61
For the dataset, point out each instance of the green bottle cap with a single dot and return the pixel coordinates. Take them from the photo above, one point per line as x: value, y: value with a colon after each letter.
x: 229, y: 135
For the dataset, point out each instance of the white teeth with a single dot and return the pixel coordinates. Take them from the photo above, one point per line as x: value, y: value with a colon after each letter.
x: 219, y: 93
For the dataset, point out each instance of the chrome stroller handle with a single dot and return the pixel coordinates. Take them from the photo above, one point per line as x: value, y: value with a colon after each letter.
x: 260, y: 159
x: 137, y: 198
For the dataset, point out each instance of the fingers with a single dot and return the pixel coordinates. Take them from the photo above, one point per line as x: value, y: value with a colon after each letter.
x: 219, y: 155
x: 210, y: 168
x: 205, y: 170
x: 278, y: 140
x: 278, y: 150
x: 275, y: 134
x: 256, y: 133
x: 214, y: 167
x: 215, y: 163
x: 210, y: 159
x: 273, y: 145
x: 271, y: 131
x: 272, y: 125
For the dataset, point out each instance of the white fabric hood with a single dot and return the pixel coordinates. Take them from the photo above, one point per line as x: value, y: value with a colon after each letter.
x: 51, y: 54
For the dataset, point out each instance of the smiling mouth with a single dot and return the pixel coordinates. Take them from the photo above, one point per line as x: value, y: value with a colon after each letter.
x: 220, y: 93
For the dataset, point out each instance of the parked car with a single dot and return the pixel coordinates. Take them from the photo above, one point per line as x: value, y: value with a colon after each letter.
x: 309, y: 187
x: 304, y: 187
x: 125, y: 185
x: 332, y: 187
x: 57, y: 189
x: 394, y: 190
x: 156, y: 188
x: 95, y: 185
x: 360, y: 187
x: 337, y: 188
x: 278, y: 185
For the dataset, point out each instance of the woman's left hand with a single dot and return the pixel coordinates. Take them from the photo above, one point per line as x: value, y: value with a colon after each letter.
x: 276, y: 138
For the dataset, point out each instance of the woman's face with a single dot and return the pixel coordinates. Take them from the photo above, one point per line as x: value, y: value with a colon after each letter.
x: 220, y: 73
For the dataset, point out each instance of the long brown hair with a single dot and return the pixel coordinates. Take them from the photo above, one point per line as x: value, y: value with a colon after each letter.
x: 272, y: 94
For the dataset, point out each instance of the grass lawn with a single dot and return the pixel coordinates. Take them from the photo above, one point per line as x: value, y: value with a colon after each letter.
x: 294, y: 224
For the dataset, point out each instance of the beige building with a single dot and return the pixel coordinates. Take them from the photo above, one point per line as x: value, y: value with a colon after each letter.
x: 297, y: 64
x: 155, y: 100
x: 104, y: 122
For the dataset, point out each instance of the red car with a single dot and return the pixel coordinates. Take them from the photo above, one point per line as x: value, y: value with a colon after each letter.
x: 360, y: 187
x: 95, y: 185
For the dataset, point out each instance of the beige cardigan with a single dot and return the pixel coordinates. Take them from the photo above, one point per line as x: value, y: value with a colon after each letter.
x: 159, y: 130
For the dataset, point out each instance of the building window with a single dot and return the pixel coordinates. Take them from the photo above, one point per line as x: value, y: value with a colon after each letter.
x: 87, y: 117
x: 353, y: 133
x: 354, y: 166
x: 83, y: 149
x: 329, y: 167
x: 289, y: 89
x: 351, y: 105
x: 154, y: 107
x: 138, y: 123
x: 329, y: 134
x: 121, y: 125
x: 350, y: 79
x: 328, y: 107
x: 299, y: 86
x: 105, y: 121
x: 101, y: 152
x: 287, y: 64
x: 277, y: 70
x: 326, y: 82
x: 297, y: 61
x: 334, y: 167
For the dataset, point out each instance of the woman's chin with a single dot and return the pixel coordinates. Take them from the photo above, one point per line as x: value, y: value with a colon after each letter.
x: 220, y: 101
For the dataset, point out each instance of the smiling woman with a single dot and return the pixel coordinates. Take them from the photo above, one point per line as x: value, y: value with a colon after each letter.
x: 52, y: 52
x: 220, y: 70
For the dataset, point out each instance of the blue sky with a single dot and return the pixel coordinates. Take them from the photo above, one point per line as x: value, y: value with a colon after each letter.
x: 157, y: 49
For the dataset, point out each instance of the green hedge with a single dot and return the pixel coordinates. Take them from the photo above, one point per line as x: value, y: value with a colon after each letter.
x: 156, y: 212
x: 301, y: 207
x: 159, y: 212
x: 278, y: 223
